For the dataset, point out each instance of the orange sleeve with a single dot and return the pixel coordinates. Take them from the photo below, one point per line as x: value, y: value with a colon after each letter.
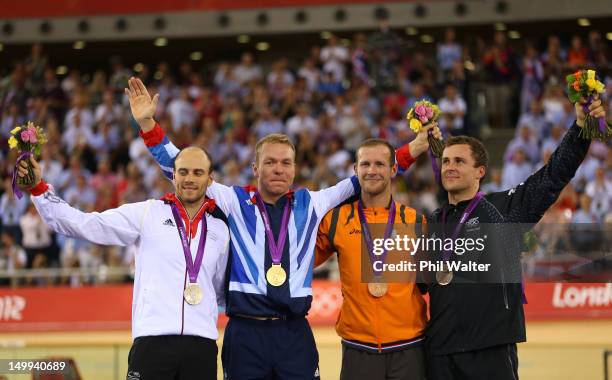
x: 323, y: 249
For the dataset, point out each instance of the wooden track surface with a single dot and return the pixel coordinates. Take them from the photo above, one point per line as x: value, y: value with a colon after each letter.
x: 555, y: 350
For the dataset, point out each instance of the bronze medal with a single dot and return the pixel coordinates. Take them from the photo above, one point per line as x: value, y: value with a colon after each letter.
x: 377, y: 289
x: 444, y: 277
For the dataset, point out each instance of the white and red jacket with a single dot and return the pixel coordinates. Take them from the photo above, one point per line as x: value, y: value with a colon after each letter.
x: 158, y: 307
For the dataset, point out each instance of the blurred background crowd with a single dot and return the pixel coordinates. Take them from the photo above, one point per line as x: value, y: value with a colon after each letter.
x: 328, y: 100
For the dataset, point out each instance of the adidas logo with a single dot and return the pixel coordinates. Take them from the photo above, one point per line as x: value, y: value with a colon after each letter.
x: 169, y: 222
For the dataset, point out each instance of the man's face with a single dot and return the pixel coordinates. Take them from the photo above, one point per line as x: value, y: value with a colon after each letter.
x: 458, y: 171
x: 374, y: 170
x: 191, y: 176
x: 275, y: 168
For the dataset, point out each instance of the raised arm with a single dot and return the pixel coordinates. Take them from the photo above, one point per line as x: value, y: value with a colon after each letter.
x: 143, y: 108
x: 528, y: 202
x: 120, y: 226
x: 407, y: 154
x: 163, y: 150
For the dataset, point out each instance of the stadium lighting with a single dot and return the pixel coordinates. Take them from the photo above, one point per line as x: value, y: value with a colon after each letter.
x: 78, y: 45
x: 514, y: 35
x: 158, y: 75
x: 411, y: 31
x: 8, y: 29
x: 223, y: 20
x: 243, y: 39
x: 138, y: 67
x: 121, y: 25
x: 340, y: 15
x: 61, y: 70
x: 609, y: 36
x: 160, y: 42
x: 326, y: 35
x: 262, y: 46
x: 420, y: 11
x: 500, y: 26
x: 262, y: 19
x: 584, y: 22
x: 159, y: 23
x: 83, y: 26
x: 460, y: 9
x: 301, y: 16
x: 196, y: 56
x: 45, y: 27
x: 345, y: 42
x: 469, y: 65
x: 427, y: 38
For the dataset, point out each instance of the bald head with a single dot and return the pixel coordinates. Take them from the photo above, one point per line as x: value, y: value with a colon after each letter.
x: 194, y: 154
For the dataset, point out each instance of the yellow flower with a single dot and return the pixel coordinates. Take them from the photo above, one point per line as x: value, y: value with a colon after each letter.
x: 13, y: 142
x: 599, y: 87
x: 415, y: 125
x: 590, y: 74
x: 409, y: 116
x: 592, y: 83
x: 15, y: 130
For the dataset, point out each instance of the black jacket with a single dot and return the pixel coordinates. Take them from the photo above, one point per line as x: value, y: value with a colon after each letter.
x: 471, y: 316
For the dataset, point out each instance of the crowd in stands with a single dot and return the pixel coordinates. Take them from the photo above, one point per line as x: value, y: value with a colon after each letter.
x: 330, y: 100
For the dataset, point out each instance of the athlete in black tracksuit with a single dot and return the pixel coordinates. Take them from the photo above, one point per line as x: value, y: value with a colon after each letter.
x: 474, y: 328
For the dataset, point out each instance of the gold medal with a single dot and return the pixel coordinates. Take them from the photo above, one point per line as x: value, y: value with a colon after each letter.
x: 377, y: 289
x: 193, y: 294
x: 276, y: 275
x: 444, y: 277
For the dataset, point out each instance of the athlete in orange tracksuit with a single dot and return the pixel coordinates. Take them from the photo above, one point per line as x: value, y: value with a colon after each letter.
x: 381, y: 336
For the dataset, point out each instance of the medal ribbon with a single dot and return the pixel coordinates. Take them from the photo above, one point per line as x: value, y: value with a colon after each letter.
x: 193, y: 267
x: 276, y: 247
x: 464, y: 217
x: 367, y: 236
x: 17, y: 190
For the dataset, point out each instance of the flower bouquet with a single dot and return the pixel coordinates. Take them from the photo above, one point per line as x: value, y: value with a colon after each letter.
x: 28, y: 140
x: 421, y: 115
x: 584, y: 84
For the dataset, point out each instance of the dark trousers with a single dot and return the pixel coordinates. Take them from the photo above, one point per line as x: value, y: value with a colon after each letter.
x: 498, y: 362
x: 408, y: 364
x: 269, y: 350
x: 172, y: 357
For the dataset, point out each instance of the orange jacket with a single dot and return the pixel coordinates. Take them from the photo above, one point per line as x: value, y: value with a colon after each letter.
x: 395, y: 319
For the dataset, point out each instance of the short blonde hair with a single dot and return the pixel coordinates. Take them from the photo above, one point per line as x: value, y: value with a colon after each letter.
x: 273, y: 138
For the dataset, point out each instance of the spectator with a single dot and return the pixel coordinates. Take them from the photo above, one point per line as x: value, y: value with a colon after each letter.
x: 453, y: 110
x: 247, y: 71
x: 600, y: 192
x: 448, y: 52
x: 37, y: 238
x: 517, y: 170
x: 334, y: 58
x: 301, y: 122
x: 11, y: 211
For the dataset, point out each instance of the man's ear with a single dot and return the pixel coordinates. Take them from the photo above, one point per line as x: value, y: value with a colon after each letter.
x: 394, y: 170
x: 255, y: 169
x: 482, y: 171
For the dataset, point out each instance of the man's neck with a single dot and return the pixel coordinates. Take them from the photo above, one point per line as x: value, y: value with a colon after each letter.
x: 455, y: 197
x: 270, y: 198
x: 376, y: 200
x: 192, y: 208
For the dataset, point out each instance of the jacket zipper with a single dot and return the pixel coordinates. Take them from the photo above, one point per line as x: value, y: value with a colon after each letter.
x: 505, y: 291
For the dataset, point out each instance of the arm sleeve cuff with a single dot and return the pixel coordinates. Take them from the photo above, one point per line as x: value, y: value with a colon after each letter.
x: 154, y: 136
x: 403, y: 157
x: 39, y: 189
